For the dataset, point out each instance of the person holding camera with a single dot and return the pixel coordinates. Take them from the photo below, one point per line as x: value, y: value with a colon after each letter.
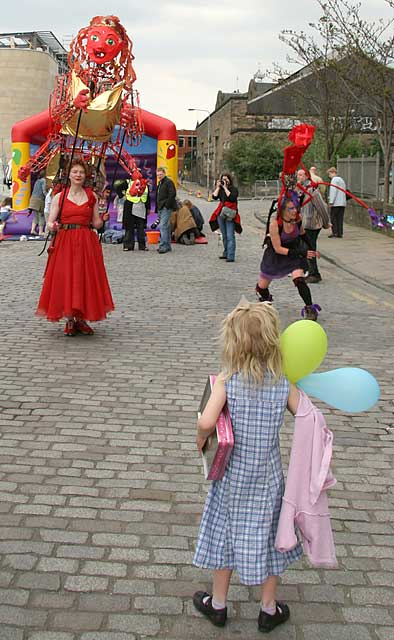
x: 226, y: 216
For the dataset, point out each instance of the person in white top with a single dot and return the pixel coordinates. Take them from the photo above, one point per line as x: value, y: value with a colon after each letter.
x: 337, y: 202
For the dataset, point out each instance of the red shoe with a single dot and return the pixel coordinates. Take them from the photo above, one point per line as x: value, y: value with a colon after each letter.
x: 70, y: 329
x: 83, y: 327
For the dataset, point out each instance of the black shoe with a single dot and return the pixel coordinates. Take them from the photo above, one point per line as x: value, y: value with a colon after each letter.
x: 267, y: 623
x: 222, y: 257
x: 218, y: 617
x: 162, y: 250
x: 332, y: 236
x: 313, y: 279
x: 230, y: 260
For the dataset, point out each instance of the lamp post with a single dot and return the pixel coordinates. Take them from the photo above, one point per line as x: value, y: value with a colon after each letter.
x: 208, y: 145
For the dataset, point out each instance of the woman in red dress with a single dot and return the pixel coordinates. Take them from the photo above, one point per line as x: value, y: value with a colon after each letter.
x: 75, y: 281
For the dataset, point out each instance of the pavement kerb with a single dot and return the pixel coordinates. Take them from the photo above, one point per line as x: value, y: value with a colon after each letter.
x: 341, y: 265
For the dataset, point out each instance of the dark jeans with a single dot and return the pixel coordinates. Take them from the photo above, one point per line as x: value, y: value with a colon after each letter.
x: 337, y: 215
x: 131, y: 224
x: 312, y: 235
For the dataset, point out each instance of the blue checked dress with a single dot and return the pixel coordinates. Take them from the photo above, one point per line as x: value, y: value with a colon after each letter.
x: 241, y: 513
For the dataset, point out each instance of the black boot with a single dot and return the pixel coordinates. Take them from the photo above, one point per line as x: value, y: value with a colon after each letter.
x: 264, y: 295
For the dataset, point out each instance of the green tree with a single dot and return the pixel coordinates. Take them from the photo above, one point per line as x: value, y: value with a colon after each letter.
x: 371, y: 46
x: 252, y: 159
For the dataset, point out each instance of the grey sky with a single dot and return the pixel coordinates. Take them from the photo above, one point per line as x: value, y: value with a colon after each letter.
x: 185, y: 52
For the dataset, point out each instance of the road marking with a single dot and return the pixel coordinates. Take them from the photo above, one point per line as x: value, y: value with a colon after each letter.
x: 362, y: 298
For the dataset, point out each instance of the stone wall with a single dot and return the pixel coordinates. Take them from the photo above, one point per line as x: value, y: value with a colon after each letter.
x: 359, y: 217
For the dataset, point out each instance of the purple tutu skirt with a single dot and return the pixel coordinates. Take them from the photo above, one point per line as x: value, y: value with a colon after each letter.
x: 275, y: 265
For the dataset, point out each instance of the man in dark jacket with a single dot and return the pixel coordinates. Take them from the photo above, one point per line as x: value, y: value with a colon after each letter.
x: 165, y: 205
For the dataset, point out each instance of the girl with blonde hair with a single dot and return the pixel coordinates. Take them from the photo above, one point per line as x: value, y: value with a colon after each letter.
x: 240, y: 519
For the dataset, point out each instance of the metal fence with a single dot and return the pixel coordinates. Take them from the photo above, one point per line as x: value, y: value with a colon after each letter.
x: 361, y: 175
x: 267, y: 188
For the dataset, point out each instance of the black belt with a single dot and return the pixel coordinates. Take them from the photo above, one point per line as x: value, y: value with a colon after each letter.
x: 75, y: 226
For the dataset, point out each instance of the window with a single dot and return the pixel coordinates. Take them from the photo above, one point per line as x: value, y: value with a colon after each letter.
x: 192, y: 141
x: 181, y: 142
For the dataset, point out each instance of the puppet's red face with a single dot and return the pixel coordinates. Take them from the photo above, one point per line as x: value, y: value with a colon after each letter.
x: 103, y: 44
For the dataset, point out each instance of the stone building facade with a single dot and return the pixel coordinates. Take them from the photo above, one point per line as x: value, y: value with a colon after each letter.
x: 229, y: 120
x: 265, y: 108
x: 27, y: 78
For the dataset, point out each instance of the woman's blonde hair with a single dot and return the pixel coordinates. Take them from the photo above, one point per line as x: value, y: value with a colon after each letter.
x: 250, y: 340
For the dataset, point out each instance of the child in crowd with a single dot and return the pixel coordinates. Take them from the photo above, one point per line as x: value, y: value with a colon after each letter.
x: 240, y: 519
x: 6, y: 212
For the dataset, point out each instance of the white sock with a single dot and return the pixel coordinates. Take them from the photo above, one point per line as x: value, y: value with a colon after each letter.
x: 271, y: 610
x: 215, y: 604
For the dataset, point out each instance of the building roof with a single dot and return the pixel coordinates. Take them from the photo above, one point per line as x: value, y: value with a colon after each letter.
x: 44, y: 40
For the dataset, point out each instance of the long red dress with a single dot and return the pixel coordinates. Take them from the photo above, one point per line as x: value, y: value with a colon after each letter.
x: 75, y: 280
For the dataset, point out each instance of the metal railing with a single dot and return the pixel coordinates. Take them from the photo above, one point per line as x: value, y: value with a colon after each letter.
x: 267, y: 188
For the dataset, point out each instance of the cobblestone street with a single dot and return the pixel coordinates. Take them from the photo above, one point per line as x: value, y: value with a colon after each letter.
x: 101, y: 486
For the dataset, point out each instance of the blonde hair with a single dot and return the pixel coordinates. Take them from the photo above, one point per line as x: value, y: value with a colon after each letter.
x: 250, y: 340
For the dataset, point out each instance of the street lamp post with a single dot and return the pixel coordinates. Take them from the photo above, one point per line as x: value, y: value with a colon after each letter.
x: 208, y: 145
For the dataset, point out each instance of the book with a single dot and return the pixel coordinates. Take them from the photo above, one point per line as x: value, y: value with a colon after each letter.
x: 219, y: 445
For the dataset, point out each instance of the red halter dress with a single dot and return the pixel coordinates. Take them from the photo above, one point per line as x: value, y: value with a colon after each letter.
x: 75, y: 280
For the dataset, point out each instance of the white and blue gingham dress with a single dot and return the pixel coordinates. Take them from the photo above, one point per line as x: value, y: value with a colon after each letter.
x: 241, y: 513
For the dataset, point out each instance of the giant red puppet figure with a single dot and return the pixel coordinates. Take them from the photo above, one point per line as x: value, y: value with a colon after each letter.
x: 94, y: 96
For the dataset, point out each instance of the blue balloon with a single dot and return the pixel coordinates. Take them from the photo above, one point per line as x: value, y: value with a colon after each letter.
x: 348, y: 389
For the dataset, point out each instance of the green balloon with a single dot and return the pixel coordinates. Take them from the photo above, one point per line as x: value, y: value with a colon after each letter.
x: 304, y: 345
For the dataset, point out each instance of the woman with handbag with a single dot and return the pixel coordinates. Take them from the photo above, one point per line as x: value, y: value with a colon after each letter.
x: 226, y: 216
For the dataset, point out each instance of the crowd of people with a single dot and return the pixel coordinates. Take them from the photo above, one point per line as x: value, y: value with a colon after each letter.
x: 290, y: 243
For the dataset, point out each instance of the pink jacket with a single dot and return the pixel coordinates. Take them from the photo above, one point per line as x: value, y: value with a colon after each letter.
x: 305, y: 502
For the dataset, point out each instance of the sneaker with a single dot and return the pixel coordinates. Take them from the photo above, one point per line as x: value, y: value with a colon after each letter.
x: 313, y: 279
x: 83, y: 327
x: 266, y: 622
x: 70, y: 329
x: 218, y: 617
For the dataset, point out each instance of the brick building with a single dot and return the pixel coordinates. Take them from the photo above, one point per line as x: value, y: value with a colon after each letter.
x: 187, y: 149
